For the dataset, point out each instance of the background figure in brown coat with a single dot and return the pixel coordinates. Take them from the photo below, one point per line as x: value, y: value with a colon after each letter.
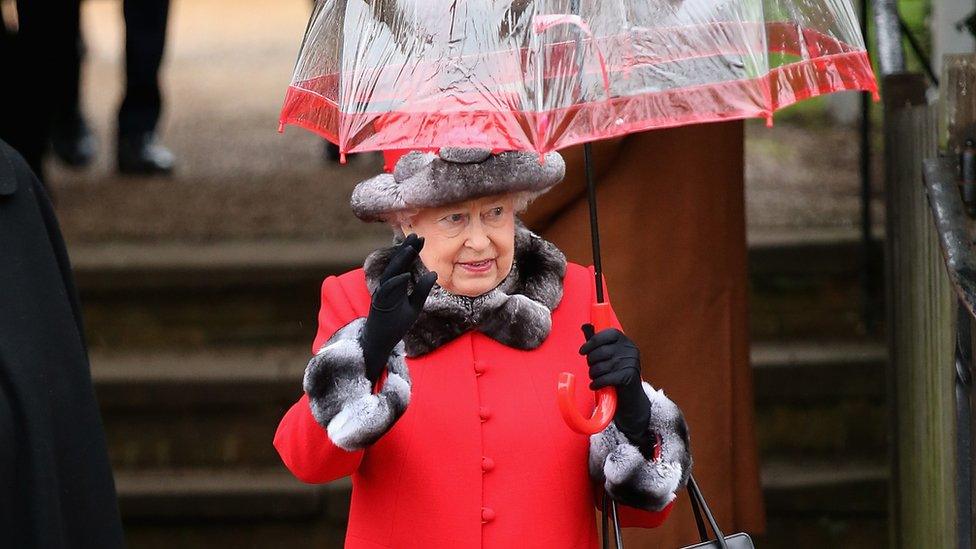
x: 674, y: 252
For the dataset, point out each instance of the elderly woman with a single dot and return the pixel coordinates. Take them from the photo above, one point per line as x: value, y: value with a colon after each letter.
x: 434, y: 377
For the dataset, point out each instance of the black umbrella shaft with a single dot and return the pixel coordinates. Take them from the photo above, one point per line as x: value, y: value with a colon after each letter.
x: 574, y: 8
x: 594, y: 222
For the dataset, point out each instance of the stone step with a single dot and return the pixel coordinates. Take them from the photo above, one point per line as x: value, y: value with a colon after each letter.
x: 193, y: 295
x: 219, y: 406
x: 820, y: 398
x: 219, y: 508
x: 810, y: 505
x: 220, y: 495
x: 214, y: 408
x: 121, y: 266
x: 170, y: 295
x: 811, y: 250
x: 175, y: 380
x: 833, y: 504
x: 825, y: 487
x: 124, y: 267
x: 807, y: 371
x: 817, y: 532
x: 812, y: 370
x: 248, y: 534
x: 809, y: 284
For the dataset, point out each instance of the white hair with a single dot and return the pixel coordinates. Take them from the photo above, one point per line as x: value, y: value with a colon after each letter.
x: 403, y: 217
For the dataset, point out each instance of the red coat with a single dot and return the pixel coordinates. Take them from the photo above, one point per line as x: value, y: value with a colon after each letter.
x: 481, y: 457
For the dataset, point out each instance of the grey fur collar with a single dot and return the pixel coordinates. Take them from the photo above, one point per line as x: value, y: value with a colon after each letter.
x: 516, y: 313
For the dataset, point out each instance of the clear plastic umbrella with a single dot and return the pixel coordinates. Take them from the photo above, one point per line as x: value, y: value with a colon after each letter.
x: 545, y: 74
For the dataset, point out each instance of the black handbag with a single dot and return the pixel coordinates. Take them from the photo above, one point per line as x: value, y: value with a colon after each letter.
x: 698, y: 505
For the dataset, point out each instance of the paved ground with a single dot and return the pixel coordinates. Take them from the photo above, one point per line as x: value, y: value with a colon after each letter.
x: 227, y: 66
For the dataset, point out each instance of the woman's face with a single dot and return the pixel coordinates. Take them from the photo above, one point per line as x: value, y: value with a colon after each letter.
x: 470, y: 245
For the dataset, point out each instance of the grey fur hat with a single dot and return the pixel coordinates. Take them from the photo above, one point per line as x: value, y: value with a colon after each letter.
x: 428, y: 180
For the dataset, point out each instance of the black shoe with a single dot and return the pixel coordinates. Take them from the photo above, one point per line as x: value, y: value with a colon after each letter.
x: 142, y: 155
x: 73, y: 142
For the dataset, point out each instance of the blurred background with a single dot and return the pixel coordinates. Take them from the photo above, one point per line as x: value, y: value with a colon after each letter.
x: 200, y: 289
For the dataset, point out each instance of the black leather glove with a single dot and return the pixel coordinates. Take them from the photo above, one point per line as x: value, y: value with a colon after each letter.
x: 392, y: 311
x: 614, y: 360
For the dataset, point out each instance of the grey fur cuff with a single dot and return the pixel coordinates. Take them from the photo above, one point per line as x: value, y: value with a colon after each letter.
x: 631, y: 479
x: 341, y: 398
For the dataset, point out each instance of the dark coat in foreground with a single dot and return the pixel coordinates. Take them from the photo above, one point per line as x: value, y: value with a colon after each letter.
x: 56, y: 488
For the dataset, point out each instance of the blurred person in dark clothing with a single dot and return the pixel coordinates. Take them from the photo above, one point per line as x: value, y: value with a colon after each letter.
x: 56, y: 486
x: 138, y: 151
x: 36, y: 51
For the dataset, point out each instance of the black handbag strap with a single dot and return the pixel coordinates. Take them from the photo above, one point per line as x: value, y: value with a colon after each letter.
x: 610, y: 506
x: 699, y: 506
x: 605, y: 516
x: 699, y: 521
x: 617, y: 534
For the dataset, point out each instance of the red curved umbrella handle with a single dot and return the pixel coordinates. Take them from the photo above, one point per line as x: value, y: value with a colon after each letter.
x: 606, y: 406
x: 606, y: 398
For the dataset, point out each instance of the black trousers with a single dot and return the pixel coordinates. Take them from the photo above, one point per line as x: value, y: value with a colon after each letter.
x: 40, y: 67
x: 145, y: 39
x: 40, y: 63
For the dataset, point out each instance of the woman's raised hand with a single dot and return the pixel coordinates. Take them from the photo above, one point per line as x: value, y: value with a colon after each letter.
x: 393, y: 310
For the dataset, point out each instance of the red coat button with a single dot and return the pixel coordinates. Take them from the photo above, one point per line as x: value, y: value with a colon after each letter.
x: 487, y: 464
x: 487, y: 514
x: 484, y: 413
x: 479, y: 367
